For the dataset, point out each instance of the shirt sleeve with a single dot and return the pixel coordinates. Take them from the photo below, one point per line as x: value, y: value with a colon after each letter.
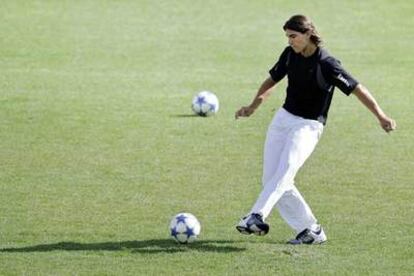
x: 279, y: 70
x: 339, y: 77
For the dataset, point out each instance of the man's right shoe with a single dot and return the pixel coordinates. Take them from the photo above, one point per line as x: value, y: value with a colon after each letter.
x: 253, y: 224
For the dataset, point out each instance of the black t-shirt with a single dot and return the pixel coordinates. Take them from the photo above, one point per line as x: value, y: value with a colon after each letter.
x: 311, y: 82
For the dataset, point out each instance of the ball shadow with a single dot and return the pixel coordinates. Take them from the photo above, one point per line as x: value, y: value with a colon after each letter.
x: 143, y: 247
x: 184, y: 115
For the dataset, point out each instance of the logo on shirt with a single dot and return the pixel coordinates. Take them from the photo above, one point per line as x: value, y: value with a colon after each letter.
x: 343, y: 80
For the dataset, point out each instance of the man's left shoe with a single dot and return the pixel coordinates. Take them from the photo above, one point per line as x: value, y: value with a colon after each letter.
x: 308, y: 236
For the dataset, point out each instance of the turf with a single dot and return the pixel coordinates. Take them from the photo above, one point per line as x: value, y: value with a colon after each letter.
x: 99, y: 149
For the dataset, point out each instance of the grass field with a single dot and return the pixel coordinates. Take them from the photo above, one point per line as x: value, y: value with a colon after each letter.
x: 98, y: 148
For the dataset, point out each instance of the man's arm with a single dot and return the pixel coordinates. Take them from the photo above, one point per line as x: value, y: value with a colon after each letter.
x: 262, y: 94
x: 365, y: 97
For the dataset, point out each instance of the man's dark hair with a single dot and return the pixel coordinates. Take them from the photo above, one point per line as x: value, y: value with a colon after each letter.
x: 301, y: 23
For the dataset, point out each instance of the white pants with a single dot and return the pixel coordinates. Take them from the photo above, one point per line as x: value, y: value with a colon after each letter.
x: 290, y: 141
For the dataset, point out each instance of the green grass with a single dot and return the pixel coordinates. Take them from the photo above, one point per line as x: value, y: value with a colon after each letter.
x: 98, y: 151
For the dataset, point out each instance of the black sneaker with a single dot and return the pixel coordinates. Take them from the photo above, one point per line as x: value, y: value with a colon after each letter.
x: 308, y: 236
x: 253, y: 224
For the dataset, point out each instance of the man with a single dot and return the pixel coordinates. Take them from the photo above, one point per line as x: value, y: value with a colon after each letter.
x: 297, y: 126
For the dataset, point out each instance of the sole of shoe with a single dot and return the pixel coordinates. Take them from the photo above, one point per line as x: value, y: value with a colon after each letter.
x: 298, y: 242
x: 243, y: 230
x: 260, y: 230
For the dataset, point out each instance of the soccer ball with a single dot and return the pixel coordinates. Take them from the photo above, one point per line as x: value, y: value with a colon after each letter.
x: 184, y: 228
x: 205, y: 104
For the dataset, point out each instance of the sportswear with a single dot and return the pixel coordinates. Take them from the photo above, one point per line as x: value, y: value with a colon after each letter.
x: 253, y: 223
x: 311, y: 82
x: 309, y: 236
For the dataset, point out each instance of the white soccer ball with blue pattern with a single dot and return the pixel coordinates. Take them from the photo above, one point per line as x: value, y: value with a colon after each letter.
x: 205, y: 104
x: 185, y: 228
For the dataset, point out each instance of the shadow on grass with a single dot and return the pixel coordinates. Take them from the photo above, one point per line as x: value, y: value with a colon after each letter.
x: 143, y: 247
x: 184, y: 115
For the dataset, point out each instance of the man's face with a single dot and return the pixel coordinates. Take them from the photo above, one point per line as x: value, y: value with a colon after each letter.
x: 297, y: 40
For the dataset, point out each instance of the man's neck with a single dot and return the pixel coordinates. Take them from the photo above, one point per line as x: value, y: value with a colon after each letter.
x: 309, y: 50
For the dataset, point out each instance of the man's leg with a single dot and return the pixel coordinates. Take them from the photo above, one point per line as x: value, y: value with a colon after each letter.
x: 299, y: 145
x: 273, y: 147
x: 295, y: 211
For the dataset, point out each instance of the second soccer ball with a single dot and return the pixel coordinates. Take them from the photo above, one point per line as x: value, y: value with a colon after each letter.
x: 205, y: 104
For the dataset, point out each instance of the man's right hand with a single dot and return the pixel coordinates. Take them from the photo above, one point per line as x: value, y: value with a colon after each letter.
x: 245, y: 111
